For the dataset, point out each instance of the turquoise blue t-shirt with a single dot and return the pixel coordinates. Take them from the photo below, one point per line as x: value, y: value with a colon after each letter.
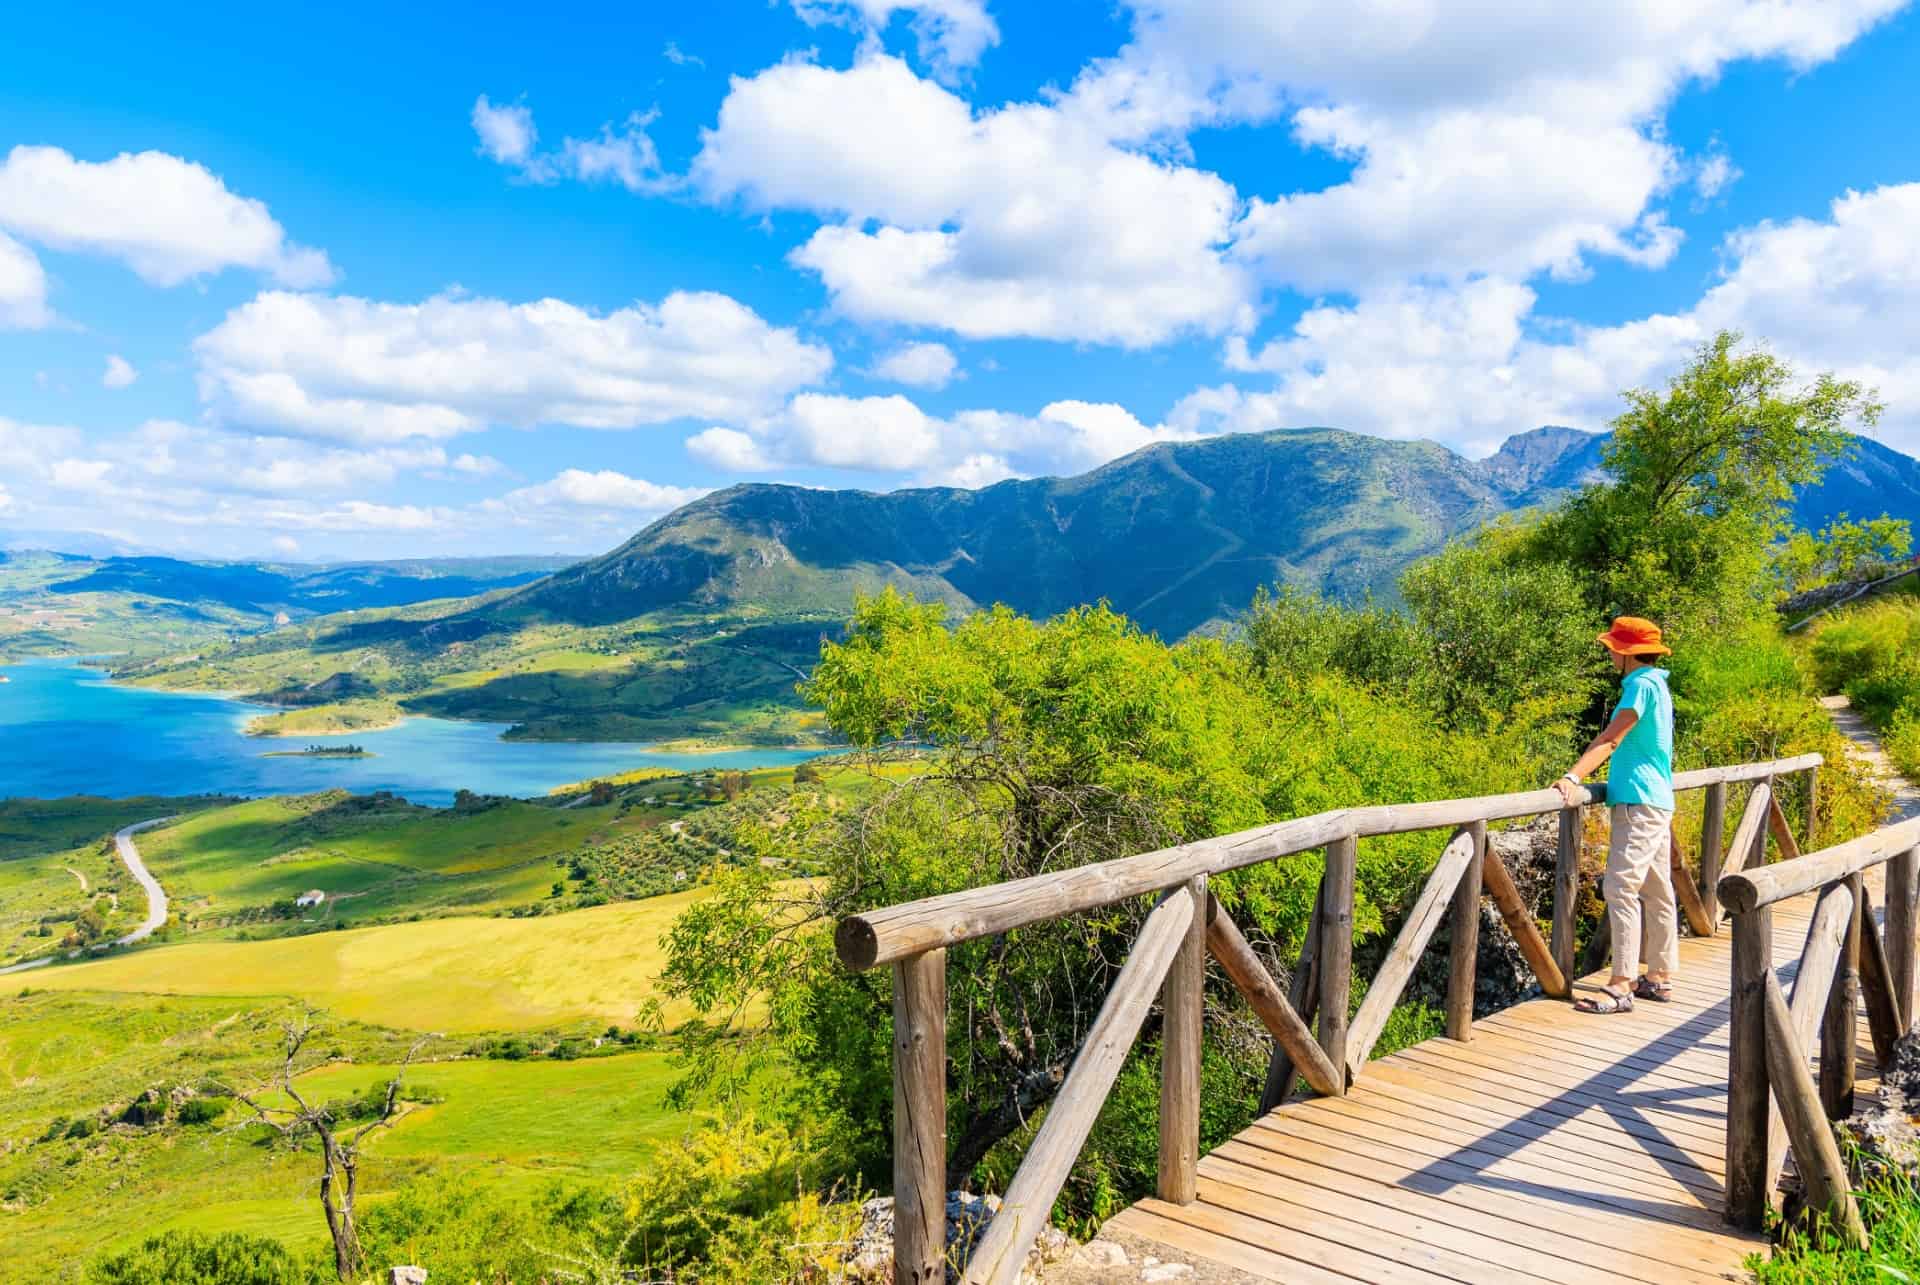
x: 1642, y: 770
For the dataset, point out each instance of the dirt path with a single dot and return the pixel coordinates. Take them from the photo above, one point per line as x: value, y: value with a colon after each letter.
x: 1867, y: 748
x: 80, y: 875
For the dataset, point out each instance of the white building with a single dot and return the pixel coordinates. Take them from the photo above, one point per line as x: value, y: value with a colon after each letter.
x: 310, y: 898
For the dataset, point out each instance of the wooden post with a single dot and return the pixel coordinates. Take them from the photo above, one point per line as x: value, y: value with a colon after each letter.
x: 1303, y: 993
x: 1900, y: 931
x: 1685, y: 891
x: 1566, y: 889
x: 1813, y: 811
x: 1885, y: 1019
x: 1713, y: 830
x: 1464, y: 945
x: 1816, y: 1156
x: 1181, y: 1006
x: 1336, y: 949
x: 1747, y: 1194
x: 1839, y: 1032
x: 920, y: 1119
x: 1599, y: 947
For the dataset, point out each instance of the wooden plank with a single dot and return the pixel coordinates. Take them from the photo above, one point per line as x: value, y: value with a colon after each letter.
x: 920, y: 1119
x: 1463, y: 944
x: 1526, y: 933
x: 1437, y: 894
x: 1694, y: 1186
x: 1357, y: 1249
x: 1303, y: 993
x: 1249, y: 975
x: 1181, y: 1007
x: 1497, y: 1218
x: 1748, y: 1196
x: 1260, y: 1264
x: 1590, y: 1133
x: 1421, y: 1224
x: 1566, y: 889
x: 1335, y: 951
x: 1816, y: 1155
x: 1713, y: 822
x: 1530, y: 1204
x: 1001, y: 1251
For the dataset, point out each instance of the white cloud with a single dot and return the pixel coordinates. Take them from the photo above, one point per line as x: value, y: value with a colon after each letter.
x: 1017, y: 222
x: 1715, y: 173
x: 951, y: 34
x: 507, y: 133
x: 6, y: 501
x: 601, y: 489
x: 23, y: 288
x: 168, y: 219
x: 357, y: 370
x: 119, y: 372
x: 1486, y: 138
x: 918, y: 365
x: 893, y: 435
x: 477, y: 465
x: 286, y: 544
x: 626, y: 155
x: 679, y: 57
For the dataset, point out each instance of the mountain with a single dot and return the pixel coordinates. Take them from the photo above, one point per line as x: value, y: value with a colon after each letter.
x: 1175, y: 536
x: 699, y: 625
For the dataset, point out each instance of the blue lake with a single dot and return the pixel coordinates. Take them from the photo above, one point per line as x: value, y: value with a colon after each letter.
x: 65, y: 730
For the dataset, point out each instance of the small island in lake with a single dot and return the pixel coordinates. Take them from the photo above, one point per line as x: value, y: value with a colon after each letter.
x: 322, y: 752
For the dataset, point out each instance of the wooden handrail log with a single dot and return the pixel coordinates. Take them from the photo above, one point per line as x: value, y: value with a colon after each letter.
x: 1816, y: 1155
x: 1746, y: 889
x: 1886, y: 1017
x: 1746, y: 835
x: 1002, y: 1249
x: 1245, y: 970
x: 1685, y: 889
x: 881, y: 936
x: 1782, y: 832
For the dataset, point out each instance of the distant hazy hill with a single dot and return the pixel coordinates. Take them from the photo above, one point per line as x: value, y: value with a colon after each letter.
x: 267, y: 588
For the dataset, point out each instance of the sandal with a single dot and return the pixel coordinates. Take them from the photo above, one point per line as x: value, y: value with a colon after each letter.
x: 1605, y: 1002
x: 1658, y: 992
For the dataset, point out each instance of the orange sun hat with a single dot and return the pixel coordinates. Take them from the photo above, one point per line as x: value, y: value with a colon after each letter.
x: 1632, y: 636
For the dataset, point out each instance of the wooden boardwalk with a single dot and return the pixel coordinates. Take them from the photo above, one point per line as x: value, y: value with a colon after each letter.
x: 1553, y: 1146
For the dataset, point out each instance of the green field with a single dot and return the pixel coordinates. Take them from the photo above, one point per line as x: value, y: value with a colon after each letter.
x: 67, y: 1056
x: 591, y: 966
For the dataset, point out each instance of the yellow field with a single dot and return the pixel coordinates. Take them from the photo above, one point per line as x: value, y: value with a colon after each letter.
x: 456, y: 976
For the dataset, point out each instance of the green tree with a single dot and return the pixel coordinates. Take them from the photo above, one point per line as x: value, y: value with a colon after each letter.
x: 1701, y: 479
x: 1841, y: 551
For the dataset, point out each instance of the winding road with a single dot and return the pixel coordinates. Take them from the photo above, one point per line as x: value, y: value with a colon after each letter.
x: 156, y: 895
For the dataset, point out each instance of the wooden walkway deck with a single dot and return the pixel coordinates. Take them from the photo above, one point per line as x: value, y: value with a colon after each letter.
x: 1553, y: 1146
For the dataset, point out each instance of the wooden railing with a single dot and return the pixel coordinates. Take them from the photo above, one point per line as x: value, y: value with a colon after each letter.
x: 1772, y: 1098
x: 1168, y: 959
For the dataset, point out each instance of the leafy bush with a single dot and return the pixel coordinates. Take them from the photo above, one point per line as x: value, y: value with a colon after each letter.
x: 202, y: 1110
x: 199, y: 1258
x: 467, y: 1228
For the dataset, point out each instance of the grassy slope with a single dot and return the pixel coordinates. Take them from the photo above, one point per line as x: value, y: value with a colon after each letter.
x: 587, y: 967
x: 72, y: 1054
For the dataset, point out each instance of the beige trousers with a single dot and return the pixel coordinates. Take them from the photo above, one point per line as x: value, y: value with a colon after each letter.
x: 1640, y: 891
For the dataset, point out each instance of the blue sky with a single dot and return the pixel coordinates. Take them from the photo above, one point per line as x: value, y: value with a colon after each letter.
x: 414, y: 280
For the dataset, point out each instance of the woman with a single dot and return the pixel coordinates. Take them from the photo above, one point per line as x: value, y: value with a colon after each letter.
x: 1639, y: 893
